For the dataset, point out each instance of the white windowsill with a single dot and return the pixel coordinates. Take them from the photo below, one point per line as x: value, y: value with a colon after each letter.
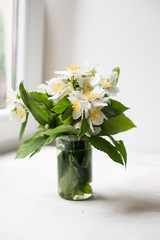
x: 125, y: 206
x: 3, y: 114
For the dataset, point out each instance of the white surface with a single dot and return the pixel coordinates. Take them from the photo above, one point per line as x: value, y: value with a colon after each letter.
x: 112, y: 32
x: 126, y: 204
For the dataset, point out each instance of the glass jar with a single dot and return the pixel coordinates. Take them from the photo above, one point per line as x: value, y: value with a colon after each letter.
x: 74, y: 167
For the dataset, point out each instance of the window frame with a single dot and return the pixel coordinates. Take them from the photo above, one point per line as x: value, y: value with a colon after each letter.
x: 29, y: 67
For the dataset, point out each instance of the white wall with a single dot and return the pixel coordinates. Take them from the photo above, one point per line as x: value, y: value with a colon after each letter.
x: 112, y: 33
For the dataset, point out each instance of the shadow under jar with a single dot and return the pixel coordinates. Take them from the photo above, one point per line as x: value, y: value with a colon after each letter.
x: 74, y: 167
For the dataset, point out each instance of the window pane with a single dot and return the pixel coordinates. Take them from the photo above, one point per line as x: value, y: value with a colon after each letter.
x: 8, y: 39
x: 14, y: 42
x: 3, y: 47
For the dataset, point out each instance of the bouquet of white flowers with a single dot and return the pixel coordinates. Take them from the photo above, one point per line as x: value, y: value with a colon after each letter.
x: 73, y: 103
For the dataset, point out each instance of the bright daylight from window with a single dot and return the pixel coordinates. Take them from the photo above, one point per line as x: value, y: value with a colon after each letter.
x: 8, y: 38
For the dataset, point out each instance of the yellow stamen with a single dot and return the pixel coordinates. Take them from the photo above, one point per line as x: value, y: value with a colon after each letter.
x: 88, y: 87
x: 20, y: 113
x: 73, y: 67
x: 69, y: 91
x: 95, y: 114
x: 75, y: 106
x: 105, y: 83
x: 91, y: 96
x: 57, y: 87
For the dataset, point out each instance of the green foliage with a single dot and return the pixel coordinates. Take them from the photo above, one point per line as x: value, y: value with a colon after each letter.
x: 74, y: 168
x: 120, y: 148
x: 105, y: 146
x: 67, y: 113
x: 23, y: 127
x: 116, y: 125
x: 60, y: 121
x: 114, y: 109
x: 69, y: 180
x: 117, y: 106
x: 68, y: 121
x: 62, y: 105
x: 85, y: 188
x: 41, y: 138
x: 84, y: 127
x: 35, y: 103
x: 62, y: 129
x: 29, y: 146
x: 47, y: 141
x: 33, y: 145
x: 43, y: 97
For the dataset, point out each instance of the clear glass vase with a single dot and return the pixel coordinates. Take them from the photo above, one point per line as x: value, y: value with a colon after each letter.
x: 74, y: 167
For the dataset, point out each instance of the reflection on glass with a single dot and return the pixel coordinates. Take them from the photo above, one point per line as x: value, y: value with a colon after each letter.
x: 8, y: 40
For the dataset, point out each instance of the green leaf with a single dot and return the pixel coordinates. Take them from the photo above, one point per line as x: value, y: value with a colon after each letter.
x: 62, y: 129
x: 47, y: 141
x: 23, y: 94
x: 67, y: 113
x: 68, y: 120
x: 114, y: 109
x: 37, y: 107
x: 69, y: 180
x: 109, y: 112
x: 84, y: 127
x: 117, y: 69
x: 41, y: 126
x: 29, y: 146
x: 43, y: 97
x: 62, y: 105
x: 120, y: 148
x: 85, y: 188
x: 105, y: 146
x: 39, y: 133
x: 42, y: 104
x: 116, y: 125
x: 23, y: 127
x: 117, y: 105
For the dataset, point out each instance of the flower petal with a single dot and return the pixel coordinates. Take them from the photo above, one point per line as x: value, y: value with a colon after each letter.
x: 76, y: 114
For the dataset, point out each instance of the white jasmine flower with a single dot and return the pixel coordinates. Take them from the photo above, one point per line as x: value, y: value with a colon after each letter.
x: 17, y: 110
x: 72, y: 72
x: 42, y: 88
x: 109, y: 83
x: 73, y: 68
x: 56, y: 87
x: 13, y: 98
x: 96, y: 96
x: 92, y: 68
x: 18, y: 113
x: 79, y: 104
x: 68, y: 90
x: 94, y: 81
x: 87, y: 83
x: 77, y: 112
x: 96, y: 117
